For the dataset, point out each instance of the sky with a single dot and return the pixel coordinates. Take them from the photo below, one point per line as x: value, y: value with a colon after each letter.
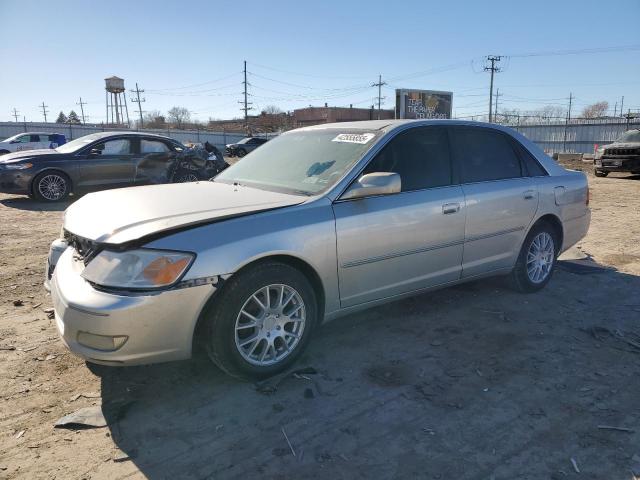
x: 299, y: 53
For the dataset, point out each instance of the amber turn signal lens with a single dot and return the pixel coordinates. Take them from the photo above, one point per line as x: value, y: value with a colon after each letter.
x: 163, y: 271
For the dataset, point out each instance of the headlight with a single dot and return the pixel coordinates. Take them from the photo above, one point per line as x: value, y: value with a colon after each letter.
x: 17, y: 166
x: 137, y: 269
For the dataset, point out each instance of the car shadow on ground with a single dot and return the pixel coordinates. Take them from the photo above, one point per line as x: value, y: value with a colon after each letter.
x: 467, y: 382
x: 30, y: 204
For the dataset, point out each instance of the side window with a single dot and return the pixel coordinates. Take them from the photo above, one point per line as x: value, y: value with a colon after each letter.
x: 534, y: 169
x: 24, y: 139
x: 120, y: 146
x: 420, y: 156
x: 484, y: 155
x: 36, y: 138
x: 153, y: 146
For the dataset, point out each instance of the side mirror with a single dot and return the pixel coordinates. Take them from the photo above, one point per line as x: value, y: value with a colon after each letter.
x: 94, y: 152
x: 378, y: 183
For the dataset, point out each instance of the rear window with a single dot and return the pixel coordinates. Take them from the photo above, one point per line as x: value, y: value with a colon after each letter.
x: 484, y: 155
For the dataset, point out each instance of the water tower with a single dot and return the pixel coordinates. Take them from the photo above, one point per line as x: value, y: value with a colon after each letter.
x: 116, y: 101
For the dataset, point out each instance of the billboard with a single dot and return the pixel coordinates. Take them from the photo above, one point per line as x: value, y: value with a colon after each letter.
x: 423, y: 104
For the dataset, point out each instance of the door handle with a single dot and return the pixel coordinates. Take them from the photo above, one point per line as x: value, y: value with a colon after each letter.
x: 449, y: 208
x: 529, y: 194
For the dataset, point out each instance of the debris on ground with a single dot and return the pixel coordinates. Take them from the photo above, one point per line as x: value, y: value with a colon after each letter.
x: 271, y: 384
x: 619, y: 429
x: 85, y: 395
x: 50, y: 312
x: 121, y: 456
x: 18, y: 303
x: 575, y: 465
x: 603, y: 334
x: 87, y: 417
x: 7, y: 347
x: 288, y: 442
x: 20, y: 433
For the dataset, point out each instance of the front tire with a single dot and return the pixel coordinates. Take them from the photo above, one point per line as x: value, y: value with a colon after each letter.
x: 599, y: 173
x: 242, y: 152
x: 262, y: 321
x: 51, y: 186
x: 537, y: 259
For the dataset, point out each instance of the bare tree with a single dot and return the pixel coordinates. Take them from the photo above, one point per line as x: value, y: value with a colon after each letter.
x: 179, y: 115
x: 272, y: 110
x: 595, y: 110
x: 154, y: 119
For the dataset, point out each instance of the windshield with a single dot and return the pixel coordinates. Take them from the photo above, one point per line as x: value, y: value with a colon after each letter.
x: 632, y: 136
x: 304, y: 162
x: 77, y: 144
x: 11, y: 139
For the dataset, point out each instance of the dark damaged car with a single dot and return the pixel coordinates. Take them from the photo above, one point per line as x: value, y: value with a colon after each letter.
x: 623, y: 155
x: 102, y: 161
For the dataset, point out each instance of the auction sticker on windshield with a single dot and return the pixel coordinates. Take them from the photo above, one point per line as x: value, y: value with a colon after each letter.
x: 361, y: 138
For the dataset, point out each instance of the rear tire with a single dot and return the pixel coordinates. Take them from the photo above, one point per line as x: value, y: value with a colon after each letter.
x: 599, y: 173
x: 250, y: 333
x: 537, y: 259
x: 242, y: 152
x: 51, y: 186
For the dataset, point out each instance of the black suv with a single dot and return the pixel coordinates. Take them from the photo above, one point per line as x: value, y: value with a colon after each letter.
x: 244, y: 146
x: 623, y: 155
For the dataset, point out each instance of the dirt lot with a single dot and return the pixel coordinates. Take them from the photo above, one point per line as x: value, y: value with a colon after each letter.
x: 472, y: 382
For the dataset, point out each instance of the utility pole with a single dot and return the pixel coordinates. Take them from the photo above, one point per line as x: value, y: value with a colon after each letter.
x: 379, y: 85
x: 44, y: 111
x: 622, y: 106
x: 615, y: 109
x: 566, y: 123
x: 493, y: 69
x: 82, y: 104
x: 139, y: 101
x: 246, y: 107
x: 15, y: 114
x: 495, y: 112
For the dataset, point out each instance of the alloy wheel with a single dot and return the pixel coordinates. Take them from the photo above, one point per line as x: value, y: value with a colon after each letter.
x: 540, y: 257
x: 270, y: 325
x: 52, y: 187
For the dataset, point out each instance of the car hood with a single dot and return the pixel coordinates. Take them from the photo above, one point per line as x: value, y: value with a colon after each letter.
x: 25, y: 154
x: 123, y: 215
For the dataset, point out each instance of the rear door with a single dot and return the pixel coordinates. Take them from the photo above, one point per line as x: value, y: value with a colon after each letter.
x: 153, y: 162
x: 393, y: 244
x: 107, y: 164
x: 501, y: 199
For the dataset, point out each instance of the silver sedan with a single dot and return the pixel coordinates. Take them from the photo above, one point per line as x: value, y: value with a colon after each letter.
x: 317, y: 223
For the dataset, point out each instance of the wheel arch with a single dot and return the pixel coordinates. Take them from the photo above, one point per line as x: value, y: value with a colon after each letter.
x: 50, y: 170
x: 555, y: 223
x: 293, y: 261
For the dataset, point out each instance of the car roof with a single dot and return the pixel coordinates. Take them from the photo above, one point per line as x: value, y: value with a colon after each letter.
x: 133, y: 134
x: 392, y: 124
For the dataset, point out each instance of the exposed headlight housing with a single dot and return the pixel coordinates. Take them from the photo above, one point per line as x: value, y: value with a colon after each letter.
x: 141, y: 269
x: 17, y: 166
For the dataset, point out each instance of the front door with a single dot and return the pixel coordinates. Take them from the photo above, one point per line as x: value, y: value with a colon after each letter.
x: 107, y: 164
x: 393, y: 244
x: 501, y: 199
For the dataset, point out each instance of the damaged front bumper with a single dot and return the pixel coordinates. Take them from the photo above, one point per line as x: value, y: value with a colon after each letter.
x: 123, y: 329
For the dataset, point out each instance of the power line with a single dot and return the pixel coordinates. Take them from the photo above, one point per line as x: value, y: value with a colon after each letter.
x: 139, y: 101
x: 82, y: 104
x: 495, y: 113
x: 379, y: 84
x: 580, y: 51
x: 493, y: 69
x: 44, y: 111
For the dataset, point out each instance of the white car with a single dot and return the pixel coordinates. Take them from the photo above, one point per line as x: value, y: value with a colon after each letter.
x: 31, y: 141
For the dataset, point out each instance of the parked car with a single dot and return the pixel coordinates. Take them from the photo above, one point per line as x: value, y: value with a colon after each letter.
x: 244, y: 146
x: 623, y: 155
x: 99, y: 161
x: 320, y: 222
x: 31, y: 141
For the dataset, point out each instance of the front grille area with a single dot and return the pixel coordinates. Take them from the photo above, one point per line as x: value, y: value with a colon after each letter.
x: 85, y: 249
x: 618, y: 152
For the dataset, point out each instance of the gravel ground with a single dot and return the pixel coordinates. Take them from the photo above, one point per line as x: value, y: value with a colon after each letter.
x: 471, y: 382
